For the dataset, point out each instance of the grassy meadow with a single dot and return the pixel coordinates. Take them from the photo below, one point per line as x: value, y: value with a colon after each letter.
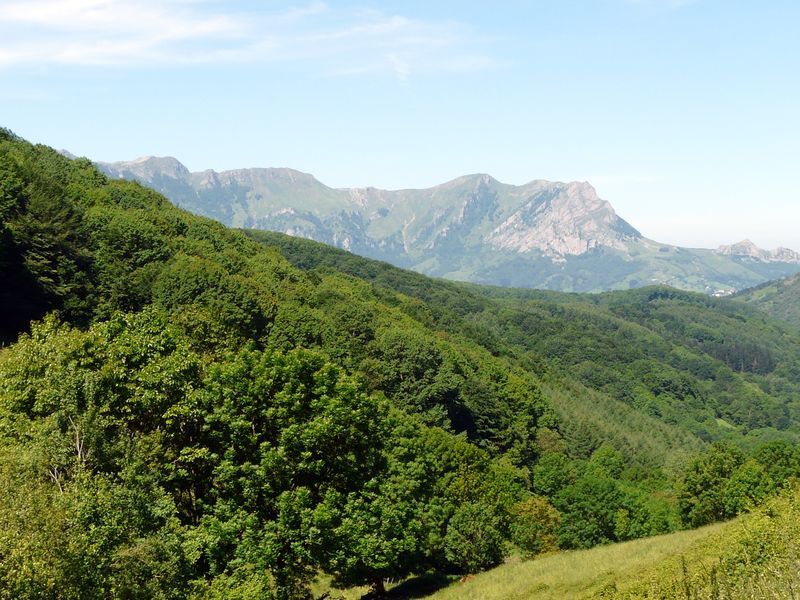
x: 578, y: 574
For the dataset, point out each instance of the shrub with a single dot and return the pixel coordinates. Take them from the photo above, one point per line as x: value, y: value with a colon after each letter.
x: 473, y: 541
x: 533, y: 528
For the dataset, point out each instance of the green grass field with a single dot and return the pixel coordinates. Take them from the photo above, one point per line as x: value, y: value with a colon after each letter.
x: 752, y: 557
x: 578, y: 574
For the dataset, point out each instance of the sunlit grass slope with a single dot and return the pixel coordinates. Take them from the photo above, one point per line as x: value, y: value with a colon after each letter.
x: 580, y: 574
x: 780, y: 299
x: 753, y: 557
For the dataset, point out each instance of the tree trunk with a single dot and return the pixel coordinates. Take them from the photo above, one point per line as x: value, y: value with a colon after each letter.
x: 378, y: 589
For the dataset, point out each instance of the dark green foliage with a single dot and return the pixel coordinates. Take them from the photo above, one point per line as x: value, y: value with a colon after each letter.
x: 713, y: 367
x: 709, y: 366
x: 553, y: 473
x: 588, y: 510
x: 245, y: 449
x: 780, y: 459
x: 42, y: 242
x: 473, y: 541
x: 189, y: 427
x: 599, y: 508
x: 723, y: 482
x: 701, y: 498
x: 748, y: 486
x: 404, y: 521
x: 607, y: 462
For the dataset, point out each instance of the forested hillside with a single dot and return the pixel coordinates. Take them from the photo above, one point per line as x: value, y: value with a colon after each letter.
x: 189, y: 410
x: 713, y: 367
x: 780, y: 299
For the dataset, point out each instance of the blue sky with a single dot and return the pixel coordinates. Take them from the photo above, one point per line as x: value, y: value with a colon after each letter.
x: 685, y: 114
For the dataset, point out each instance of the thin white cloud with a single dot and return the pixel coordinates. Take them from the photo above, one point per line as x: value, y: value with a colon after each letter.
x: 123, y: 33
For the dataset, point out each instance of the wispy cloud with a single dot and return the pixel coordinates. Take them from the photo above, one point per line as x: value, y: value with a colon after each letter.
x: 121, y: 33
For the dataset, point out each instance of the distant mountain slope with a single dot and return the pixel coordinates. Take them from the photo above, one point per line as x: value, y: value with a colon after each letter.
x: 543, y: 234
x: 781, y: 299
x: 748, y: 250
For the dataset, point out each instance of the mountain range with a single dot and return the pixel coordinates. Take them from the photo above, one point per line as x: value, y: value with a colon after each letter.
x: 543, y: 234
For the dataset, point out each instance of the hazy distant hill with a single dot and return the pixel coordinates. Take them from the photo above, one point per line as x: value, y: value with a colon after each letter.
x: 543, y: 234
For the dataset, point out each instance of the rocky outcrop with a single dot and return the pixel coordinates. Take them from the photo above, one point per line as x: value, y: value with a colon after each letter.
x: 561, y: 220
x: 748, y: 250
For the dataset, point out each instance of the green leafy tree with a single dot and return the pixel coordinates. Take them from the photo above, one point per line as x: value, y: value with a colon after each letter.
x: 780, y: 459
x: 588, y: 510
x: 701, y: 497
x: 607, y: 461
x: 534, y: 526
x: 380, y: 534
x: 474, y: 541
x: 747, y: 487
x: 552, y: 473
x: 245, y: 450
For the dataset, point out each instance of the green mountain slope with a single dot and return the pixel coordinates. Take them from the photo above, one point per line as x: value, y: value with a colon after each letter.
x: 781, y: 299
x: 189, y: 410
x: 543, y: 234
x: 579, y: 575
x: 195, y: 416
x: 712, y: 366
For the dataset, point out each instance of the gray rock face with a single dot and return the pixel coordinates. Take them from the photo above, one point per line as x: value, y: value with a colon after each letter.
x: 542, y: 234
x: 561, y: 220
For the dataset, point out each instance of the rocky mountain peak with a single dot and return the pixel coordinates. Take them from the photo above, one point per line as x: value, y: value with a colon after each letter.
x: 147, y: 168
x: 788, y: 255
x: 746, y: 249
x: 562, y: 219
x: 558, y: 235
